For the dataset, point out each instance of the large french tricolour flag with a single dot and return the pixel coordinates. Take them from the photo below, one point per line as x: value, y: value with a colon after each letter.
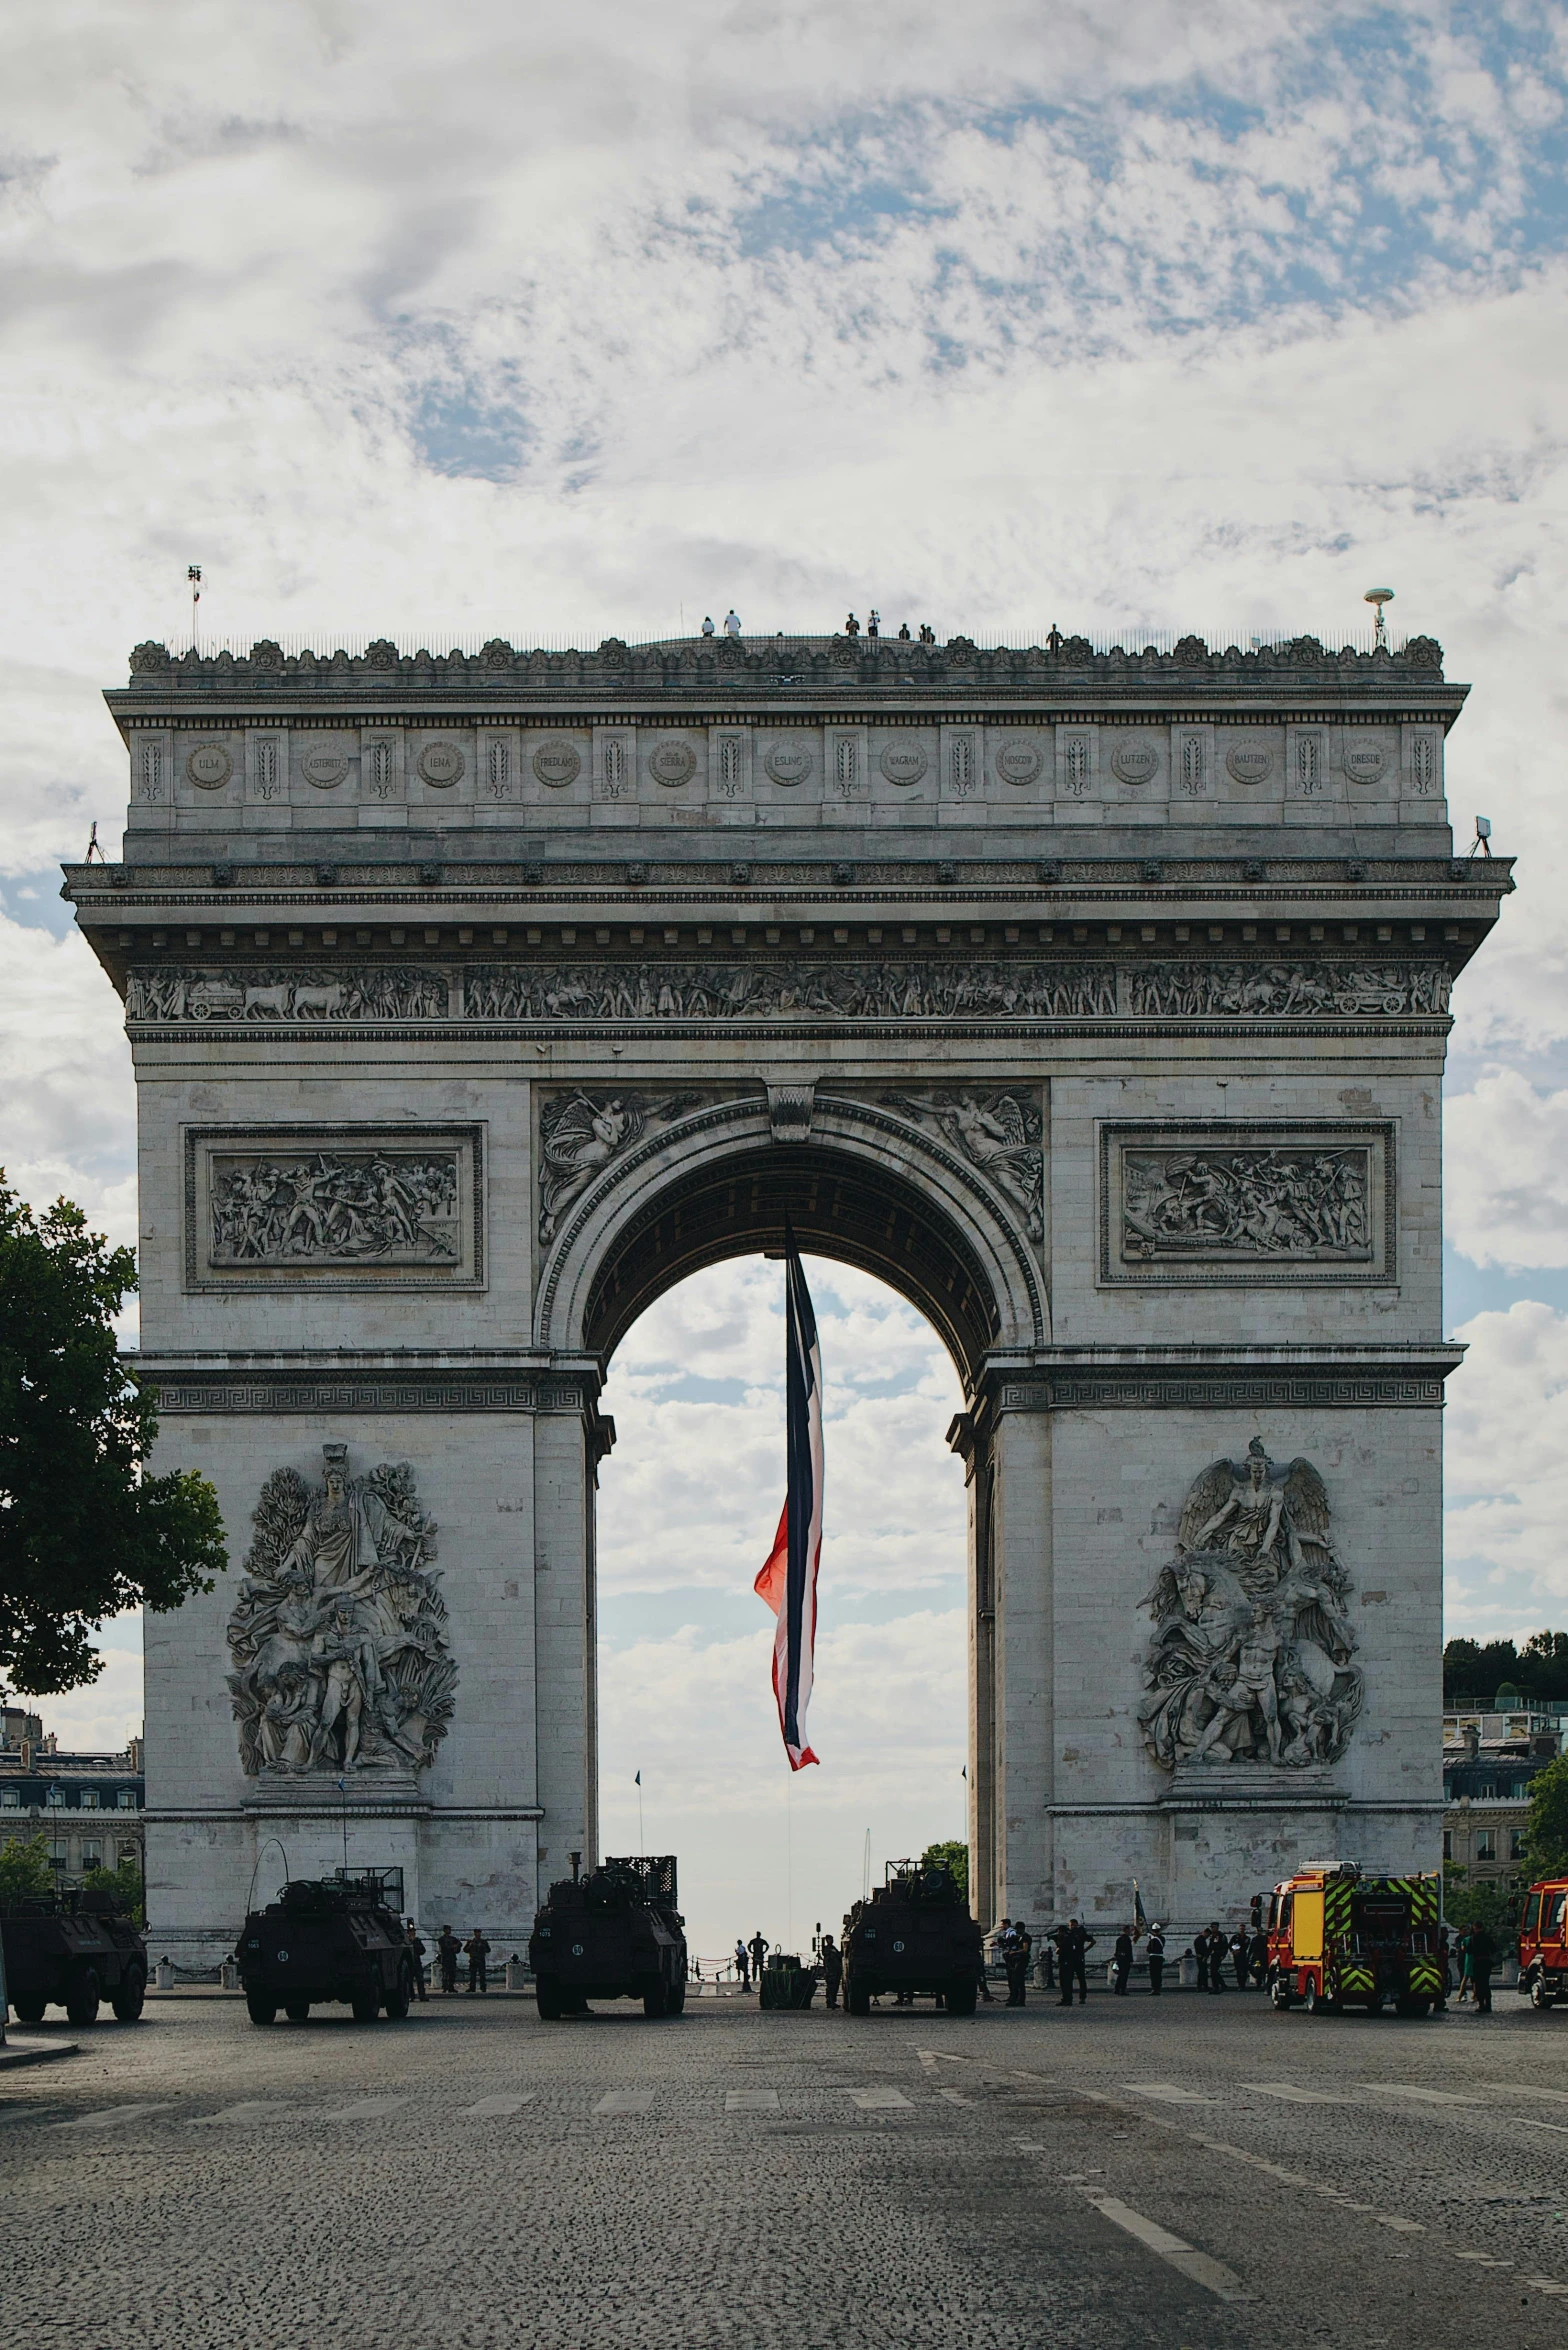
x: 788, y: 1583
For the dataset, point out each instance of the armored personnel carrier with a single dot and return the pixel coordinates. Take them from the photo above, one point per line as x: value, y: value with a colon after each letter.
x: 323, y: 1940
x: 614, y: 1933
x: 914, y: 1937
x: 72, y: 1950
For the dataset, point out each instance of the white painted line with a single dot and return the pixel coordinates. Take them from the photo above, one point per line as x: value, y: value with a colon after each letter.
x: 1427, y: 2096
x: 751, y: 2101
x: 1526, y: 2089
x: 625, y: 2101
x: 880, y: 2100
x: 1544, y: 2284
x: 1293, y: 2095
x: 501, y: 2104
x: 1212, y: 2274
x: 954, y: 2097
x: 1483, y: 2260
x: 362, y: 2109
x: 1168, y: 2093
x: 110, y: 2117
x: 1406, y: 2227
x: 253, y: 2109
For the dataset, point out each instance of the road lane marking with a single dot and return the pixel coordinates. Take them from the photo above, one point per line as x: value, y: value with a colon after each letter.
x: 1168, y: 2093
x: 1199, y: 2267
x: 1526, y: 2089
x: 625, y: 2101
x: 110, y: 2117
x: 1483, y: 2260
x: 751, y: 2101
x: 955, y: 2097
x: 503, y: 2103
x: 880, y: 2100
x: 1544, y: 2284
x: 361, y: 2109
x: 1427, y: 2096
x: 253, y: 2109
x: 1295, y: 2096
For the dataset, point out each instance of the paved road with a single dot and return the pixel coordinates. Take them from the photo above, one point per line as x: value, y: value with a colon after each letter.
x: 1190, y: 2174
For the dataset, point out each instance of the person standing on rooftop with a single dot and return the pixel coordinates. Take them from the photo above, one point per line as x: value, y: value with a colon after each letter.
x: 707, y: 624
x: 732, y: 622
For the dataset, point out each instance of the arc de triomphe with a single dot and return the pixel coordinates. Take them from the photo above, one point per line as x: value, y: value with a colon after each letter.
x: 1097, y: 1001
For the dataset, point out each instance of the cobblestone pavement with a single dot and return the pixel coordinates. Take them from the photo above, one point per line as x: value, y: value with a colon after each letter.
x: 1189, y: 2174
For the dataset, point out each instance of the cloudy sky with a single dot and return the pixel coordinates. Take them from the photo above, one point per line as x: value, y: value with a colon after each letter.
x: 1188, y: 313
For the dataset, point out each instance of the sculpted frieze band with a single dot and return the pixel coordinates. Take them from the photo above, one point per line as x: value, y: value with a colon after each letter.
x: 720, y: 993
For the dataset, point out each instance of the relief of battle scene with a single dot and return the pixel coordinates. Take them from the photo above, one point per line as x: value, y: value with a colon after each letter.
x: 336, y: 1207
x: 339, y: 1637
x: 1186, y: 1204
x: 1251, y: 1656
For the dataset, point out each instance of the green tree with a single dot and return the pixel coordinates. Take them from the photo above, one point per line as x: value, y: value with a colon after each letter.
x: 952, y: 1856
x: 1492, y: 1902
x: 125, y: 1883
x: 84, y: 1532
x: 1546, y: 1831
x: 26, y: 1868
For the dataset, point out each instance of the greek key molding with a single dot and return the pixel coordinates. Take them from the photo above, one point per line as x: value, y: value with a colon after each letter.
x: 1270, y: 1203
x: 1176, y: 1390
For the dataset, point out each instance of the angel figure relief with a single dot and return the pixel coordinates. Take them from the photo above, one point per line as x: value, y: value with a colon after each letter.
x: 578, y: 1135
x: 339, y: 1634
x: 1251, y: 1657
x: 999, y: 1135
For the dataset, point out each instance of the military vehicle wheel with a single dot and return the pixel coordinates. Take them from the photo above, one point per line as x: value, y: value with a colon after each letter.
x: 128, y: 1995
x: 366, y: 2002
x: 29, y: 2011
x: 262, y: 2010
x: 675, y: 1999
x: 297, y: 2010
x: 961, y: 1995
x: 400, y: 1996
x: 547, y: 1998
x: 82, y: 1995
x: 655, y: 2002
x: 573, y: 2003
x: 1539, y: 1995
x: 857, y: 1999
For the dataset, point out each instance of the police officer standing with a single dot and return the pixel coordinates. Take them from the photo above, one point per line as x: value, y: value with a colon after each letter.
x: 417, y: 1952
x: 1121, y: 1962
x: 832, y: 1969
x: 1156, y: 1955
x: 448, y: 1951
x: 1015, y: 1958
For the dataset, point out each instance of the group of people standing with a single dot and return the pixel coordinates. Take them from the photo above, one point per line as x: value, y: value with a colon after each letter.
x: 476, y: 1950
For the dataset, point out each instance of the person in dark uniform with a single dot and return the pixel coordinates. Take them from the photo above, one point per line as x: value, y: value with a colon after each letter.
x: 1156, y: 1955
x: 1074, y: 1949
x: 1483, y: 1957
x: 448, y: 1952
x: 1121, y: 1962
x: 476, y: 1950
x: 757, y: 1950
x: 1216, y: 1956
x: 1016, y: 1949
x: 832, y: 1969
x: 1240, y: 1958
x: 1258, y: 1954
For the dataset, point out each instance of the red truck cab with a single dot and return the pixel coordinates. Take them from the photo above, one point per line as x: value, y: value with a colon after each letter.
x: 1543, y: 1943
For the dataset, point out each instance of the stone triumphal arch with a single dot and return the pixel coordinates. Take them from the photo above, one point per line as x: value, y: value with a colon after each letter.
x: 1096, y: 1001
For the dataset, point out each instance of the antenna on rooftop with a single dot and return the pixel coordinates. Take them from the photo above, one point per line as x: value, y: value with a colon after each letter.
x: 1378, y: 597
x: 193, y: 574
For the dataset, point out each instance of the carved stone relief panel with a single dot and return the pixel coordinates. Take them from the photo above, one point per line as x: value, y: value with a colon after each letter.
x: 583, y: 1132
x: 311, y: 1207
x: 1251, y: 1655
x: 339, y: 1637
x: 997, y: 1131
x: 1196, y: 1205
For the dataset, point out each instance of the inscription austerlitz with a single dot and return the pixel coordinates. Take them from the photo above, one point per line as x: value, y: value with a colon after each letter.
x: 768, y: 991
x: 336, y: 1208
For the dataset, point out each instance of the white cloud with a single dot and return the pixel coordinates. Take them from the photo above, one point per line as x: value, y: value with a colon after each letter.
x: 1506, y: 1164
x: 1506, y: 1473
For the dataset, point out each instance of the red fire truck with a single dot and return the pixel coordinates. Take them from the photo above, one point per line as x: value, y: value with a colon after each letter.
x: 1543, y: 1943
x: 1338, y: 1939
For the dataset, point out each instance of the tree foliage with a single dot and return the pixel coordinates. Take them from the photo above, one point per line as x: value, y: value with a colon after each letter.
x: 1493, y: 1902
x: 953, y: 1856
x: 26, y: 1868
x: 84, y: 1532
x: 1546, y: 1833
x: 1473, y: 1673
x: 125, y: 1883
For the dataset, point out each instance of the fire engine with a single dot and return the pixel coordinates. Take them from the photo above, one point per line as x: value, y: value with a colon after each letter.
x: 1338, y: 1939
x: 1543, y: 1943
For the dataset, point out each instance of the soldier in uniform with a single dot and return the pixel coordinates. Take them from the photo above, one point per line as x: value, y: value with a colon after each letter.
x: 448, y: 1951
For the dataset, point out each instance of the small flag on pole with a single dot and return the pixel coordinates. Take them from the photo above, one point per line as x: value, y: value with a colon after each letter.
x: 637, y: 1782
x: 1140, y: 1922
x: 788, y: 1583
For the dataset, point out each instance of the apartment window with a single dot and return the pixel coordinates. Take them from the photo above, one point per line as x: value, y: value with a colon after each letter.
x: 1486, y: 1844
x: 11, y: 1797
x: 1448, y: 1843
x: 56, y: 1799
x: 92, y: 1853
x: 127, y: 1799
x: 129, y: 1856
x: 88, y: 1799
x: 1516, y: 1843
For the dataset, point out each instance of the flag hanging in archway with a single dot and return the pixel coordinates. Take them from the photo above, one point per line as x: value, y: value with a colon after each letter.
x: 788, y: 1583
